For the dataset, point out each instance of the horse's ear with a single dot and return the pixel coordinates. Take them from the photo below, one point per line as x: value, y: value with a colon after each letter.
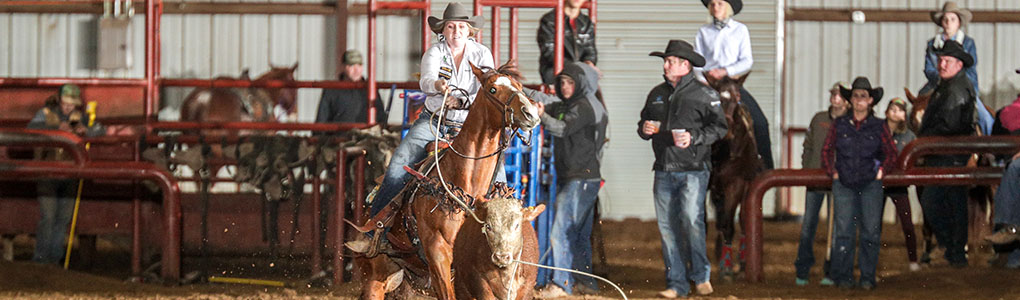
x: 740, y: 80
x: 712, y: 82
x: 512, y: 62
x: 478, y: 72
x: 294, y: 67
x: 245, y: 75
x: 910, y: 96
x: 530, y: 213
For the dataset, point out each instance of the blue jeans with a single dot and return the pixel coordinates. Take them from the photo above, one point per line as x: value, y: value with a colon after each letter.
x: 1007, y: 199
x: 853, y: 208
x: 680, y: 211
x: 571, y: 232
x: 945, y: 209
x: 56, y: 204
x: 411, y: 151
x: 809, y: 223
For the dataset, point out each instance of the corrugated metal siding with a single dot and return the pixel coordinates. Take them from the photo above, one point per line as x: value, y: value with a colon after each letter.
x: 889, y: 54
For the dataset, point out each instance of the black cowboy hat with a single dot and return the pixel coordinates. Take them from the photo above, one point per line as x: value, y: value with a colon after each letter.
x: 681, y: 49
x: 951, y: 7
x: 954, y: 49
x: 862, y: 83
x: 737, y: 5
x: 455, y: 12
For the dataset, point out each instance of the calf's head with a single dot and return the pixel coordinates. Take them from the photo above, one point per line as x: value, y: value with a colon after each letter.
x: 502, y: 229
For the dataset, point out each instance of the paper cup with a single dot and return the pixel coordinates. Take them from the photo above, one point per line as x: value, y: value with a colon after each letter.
x: 676, y: 136
x: 655, y: 125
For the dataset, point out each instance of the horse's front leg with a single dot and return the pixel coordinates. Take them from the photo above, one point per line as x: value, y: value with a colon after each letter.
x: 439, y: 253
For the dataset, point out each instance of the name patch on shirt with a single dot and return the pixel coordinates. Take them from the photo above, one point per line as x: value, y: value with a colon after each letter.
x: 445, y: 73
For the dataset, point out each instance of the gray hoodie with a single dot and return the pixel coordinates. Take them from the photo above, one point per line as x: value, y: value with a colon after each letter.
x: 578, y: 125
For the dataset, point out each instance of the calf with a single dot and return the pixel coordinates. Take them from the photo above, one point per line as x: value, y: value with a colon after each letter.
x: 484, y: 254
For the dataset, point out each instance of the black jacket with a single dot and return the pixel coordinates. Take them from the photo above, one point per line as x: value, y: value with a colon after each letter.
x: 577, y: 46
x: 692, y: 106
x: 951, y: 110
x: 578, y: 125
x: 348, y: 106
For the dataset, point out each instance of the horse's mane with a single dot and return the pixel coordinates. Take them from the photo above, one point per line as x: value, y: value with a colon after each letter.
x: 507, y: 69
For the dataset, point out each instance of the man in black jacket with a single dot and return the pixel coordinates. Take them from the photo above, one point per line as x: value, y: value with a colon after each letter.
x: 349, y: 106
x: 578, y: 40
x: 683, y: 118
x: 578, y: 126
x: 950, y: 113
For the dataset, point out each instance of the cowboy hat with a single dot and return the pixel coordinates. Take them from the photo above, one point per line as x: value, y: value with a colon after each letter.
x: 862, y: 83
x: 954, y: 49
x: 455, y: 12
x: 681, y: 49
x: 951, y: 7
x: 735, y: 4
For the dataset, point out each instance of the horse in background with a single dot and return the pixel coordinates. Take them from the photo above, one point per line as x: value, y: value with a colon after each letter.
x: 735, y: 163
x: 242, y: 104
x: 979, y: 197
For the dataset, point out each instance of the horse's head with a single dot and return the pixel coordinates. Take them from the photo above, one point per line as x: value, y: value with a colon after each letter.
x: 285, y: 97
x: 504, y: 218
x: 918, y: 104
x: 729, y: 95
x: 504, y: 100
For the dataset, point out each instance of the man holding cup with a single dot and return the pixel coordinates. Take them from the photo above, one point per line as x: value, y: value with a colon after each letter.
x: 683, y: 118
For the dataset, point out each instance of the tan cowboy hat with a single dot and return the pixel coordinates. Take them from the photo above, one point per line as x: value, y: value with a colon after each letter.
x: 951, y: 7
x: 455, y: 12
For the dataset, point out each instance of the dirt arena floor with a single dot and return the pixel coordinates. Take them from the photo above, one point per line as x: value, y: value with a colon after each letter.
x: 634, y: 259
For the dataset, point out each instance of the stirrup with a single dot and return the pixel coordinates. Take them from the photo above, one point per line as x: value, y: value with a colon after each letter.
x: 376, y: 245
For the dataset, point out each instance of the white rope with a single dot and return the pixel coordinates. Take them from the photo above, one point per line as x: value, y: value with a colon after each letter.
x: 577, y: 272
x: 439, y: 171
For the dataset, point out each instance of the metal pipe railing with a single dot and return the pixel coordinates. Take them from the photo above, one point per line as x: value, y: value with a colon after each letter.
x: 957, y: 145
x: 818, y: 178
x: 340, y: 208
x: 17, y: 137
x: 171, y: 252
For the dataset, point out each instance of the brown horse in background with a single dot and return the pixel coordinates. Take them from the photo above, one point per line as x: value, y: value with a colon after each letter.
x: 500, y: 105
x: 979, y: 197
x: 241, y: 104
x: 735, y: 163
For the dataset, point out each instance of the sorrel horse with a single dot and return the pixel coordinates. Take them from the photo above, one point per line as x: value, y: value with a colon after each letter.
x: 499, y: 109
x: 488, y: 270
x: 242, y: 104
x: 979, y: 197
x: 735, y: 163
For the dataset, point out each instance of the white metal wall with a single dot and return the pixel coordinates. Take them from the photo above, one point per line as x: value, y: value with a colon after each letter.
x: 890, y: 54
x: 204, y: 46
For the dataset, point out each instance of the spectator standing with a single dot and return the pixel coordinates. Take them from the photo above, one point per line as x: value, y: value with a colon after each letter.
x: 950, y: 113
x: 682, y: 118
x: 578, y: 126
x: 811, y: 158
x: 578, y: 40
x: 349, y: 106
x: 858, y: 151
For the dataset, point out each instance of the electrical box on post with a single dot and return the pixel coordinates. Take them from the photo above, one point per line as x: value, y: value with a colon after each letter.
x: 114, y: 47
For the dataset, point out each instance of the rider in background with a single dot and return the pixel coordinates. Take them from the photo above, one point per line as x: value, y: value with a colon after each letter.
x: 726, y: 46
x: 951, y: 19
x: 578, y: 40
x: 445, y: 67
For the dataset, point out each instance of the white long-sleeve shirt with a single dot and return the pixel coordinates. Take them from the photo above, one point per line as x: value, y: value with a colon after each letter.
x: 728, y: 48
x: 438, y: 63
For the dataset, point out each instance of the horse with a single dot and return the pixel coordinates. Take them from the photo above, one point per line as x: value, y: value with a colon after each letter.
x: 488, y: 270
x: 241, y: 105
x: 979, y: 197
x: 735, y: 163
x: 500, y: 109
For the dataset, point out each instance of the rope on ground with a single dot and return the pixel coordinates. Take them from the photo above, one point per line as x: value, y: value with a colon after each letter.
x: 577, y: 272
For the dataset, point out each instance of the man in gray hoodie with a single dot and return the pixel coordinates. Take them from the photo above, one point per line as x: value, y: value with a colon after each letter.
x: 578, y: 126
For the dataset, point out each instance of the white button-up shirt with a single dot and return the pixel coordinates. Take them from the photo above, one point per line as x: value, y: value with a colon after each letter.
x: 728, y: 48
x: 438, y: 63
